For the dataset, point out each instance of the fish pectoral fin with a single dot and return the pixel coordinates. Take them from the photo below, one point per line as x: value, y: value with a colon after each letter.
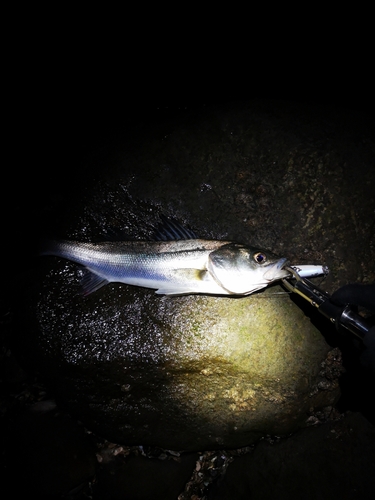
x: 187, y: 281
x: 174, y: 290
x: 182, y: 282
x: 91, y: 282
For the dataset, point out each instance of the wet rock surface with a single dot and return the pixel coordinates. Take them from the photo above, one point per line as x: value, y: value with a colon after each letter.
x: 293, y: 179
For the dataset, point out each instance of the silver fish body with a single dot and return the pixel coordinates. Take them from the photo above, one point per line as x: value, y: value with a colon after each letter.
x: 174, y: 267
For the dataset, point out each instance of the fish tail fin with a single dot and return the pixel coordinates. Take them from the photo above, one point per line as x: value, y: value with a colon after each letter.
x: 89, y: 280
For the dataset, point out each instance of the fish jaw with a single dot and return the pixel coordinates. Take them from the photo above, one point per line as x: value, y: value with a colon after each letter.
x: 275, y: 271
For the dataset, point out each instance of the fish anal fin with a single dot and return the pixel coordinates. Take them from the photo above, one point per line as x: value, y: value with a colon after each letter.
x: 91, y: 282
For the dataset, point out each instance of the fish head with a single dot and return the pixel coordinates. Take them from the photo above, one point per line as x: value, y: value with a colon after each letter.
x: 241, y: 269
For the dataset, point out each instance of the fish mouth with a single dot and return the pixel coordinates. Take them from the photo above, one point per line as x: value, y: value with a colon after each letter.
x: 275, y: 271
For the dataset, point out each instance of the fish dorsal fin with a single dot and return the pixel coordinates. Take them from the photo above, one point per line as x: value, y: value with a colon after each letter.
x: 170, y: 229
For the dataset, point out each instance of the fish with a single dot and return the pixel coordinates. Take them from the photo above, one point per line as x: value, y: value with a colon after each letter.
x: 175, y: 262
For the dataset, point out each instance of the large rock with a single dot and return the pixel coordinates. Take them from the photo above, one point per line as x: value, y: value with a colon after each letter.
x: 202, y: 372
x: 191, y: 372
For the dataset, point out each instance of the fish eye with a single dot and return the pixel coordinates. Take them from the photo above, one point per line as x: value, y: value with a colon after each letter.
x: 260, y: 257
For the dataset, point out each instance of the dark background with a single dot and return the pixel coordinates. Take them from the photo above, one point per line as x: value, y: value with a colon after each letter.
x: 73, y: 107
x: 66, y: 100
